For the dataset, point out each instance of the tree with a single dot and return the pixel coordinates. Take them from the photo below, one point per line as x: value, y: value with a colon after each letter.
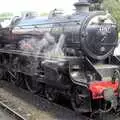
x: 5, y: 15
x: 113, y: 6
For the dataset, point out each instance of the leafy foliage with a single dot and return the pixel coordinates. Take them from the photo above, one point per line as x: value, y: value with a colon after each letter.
x: 113, y: 6
x: 5, y: 15
x: 44, y: 14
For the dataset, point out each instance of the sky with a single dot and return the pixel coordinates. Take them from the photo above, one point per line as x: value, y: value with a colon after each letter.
x: 16, y: 6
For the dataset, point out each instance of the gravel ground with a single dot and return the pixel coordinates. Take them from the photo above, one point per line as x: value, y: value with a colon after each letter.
x: 5, y: 116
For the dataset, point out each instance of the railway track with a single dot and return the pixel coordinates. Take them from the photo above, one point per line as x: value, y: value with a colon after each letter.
x: 11, y: 112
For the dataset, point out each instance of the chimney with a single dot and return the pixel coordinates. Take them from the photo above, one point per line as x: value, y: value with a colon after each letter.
x: 82, y: 6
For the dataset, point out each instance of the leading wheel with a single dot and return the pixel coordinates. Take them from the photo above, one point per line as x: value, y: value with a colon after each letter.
x: 78, y: 101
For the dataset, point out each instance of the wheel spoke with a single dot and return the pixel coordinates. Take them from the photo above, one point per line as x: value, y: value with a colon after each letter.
x: 32, y: 85
x: 15, y: 78
x: 78, y: 100
x: 51, y: 94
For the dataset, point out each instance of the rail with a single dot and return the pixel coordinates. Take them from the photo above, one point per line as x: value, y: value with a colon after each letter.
x: 11, y: 111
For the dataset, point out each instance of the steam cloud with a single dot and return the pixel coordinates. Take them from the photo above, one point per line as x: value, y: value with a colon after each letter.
x: 46, y: 46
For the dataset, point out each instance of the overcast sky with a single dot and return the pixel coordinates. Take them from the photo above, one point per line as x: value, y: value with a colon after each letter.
x: 35, y: 5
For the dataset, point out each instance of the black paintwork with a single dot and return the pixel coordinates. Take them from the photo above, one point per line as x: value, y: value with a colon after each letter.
x: 52, y: 50
x: 78, y: 36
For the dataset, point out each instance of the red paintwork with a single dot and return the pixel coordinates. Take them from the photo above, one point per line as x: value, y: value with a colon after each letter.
x: 97, y: 88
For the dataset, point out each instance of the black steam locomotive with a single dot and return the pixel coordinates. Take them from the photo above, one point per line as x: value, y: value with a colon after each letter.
x: 69, y: 55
